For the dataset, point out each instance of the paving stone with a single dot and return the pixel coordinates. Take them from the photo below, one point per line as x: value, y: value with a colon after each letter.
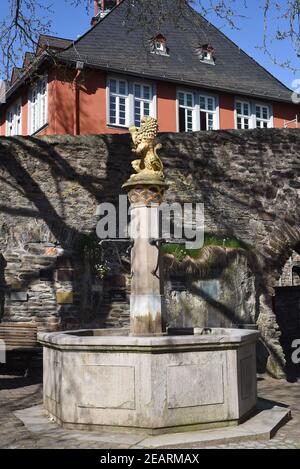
x: 19, y: 394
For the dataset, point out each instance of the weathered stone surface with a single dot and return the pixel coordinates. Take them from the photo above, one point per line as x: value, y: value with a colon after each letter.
x: 158, y: 384
x: 50, y: 188
x: 19, y: 296
x: 64, y: 298
x: 225, y: 300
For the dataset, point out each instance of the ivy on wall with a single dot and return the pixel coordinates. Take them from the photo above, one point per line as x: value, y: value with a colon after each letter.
x: 91, y: 252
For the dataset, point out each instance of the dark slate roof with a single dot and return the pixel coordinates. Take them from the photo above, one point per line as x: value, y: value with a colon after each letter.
x: 57, y: 43
x: 118, y: 45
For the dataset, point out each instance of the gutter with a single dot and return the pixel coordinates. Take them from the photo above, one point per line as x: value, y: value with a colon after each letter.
x: 44, y: 57
x: 76, y: 104
x: 182, y: 82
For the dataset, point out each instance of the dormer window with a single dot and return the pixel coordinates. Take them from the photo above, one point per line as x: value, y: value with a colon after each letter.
x: 206, y: 53
x: 158, y: 45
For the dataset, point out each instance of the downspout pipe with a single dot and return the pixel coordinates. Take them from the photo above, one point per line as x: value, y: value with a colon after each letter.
x: 76, y: 107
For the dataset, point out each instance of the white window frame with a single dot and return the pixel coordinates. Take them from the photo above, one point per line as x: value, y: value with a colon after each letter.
x: 243, y: 116
x: 130, y: 100
x: 117, y: 95
x: 158, y: 47
x: 143, y: 100
x: 187, y: 110
x: 252, y: 117
x: 214, y: 113
x: 197, y: 108
x: 38, y: 110
x: 14, y: 124
x: 206, y: 58
x: 262, y: 120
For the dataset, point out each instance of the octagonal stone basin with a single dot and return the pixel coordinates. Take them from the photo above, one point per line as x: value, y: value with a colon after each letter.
x: 94, y: 379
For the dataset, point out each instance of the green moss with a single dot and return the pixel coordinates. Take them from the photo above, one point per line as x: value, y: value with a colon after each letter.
x: 180, y: 252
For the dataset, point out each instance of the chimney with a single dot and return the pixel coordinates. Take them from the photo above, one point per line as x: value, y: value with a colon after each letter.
x: 96, y: 7
x: 101, y: 8
x: 96, y: 13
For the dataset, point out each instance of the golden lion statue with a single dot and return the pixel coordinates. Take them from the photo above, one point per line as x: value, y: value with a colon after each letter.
x: 146, y: 146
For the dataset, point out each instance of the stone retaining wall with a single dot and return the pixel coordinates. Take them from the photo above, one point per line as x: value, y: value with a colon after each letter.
x: 50, y: 188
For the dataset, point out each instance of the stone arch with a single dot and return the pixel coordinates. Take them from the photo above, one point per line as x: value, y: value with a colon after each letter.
x: 275, y: 251
x: 291, y: 271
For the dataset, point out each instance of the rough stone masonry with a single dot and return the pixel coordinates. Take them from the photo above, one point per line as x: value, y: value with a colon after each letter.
x: 50, y: 187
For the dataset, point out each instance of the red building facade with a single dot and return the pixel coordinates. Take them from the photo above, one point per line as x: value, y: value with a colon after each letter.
x: 86, y: 97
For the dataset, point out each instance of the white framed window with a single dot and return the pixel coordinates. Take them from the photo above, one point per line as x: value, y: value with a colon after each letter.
x: 206, y: 53
x: 9, y: 123
x: 14, y: 119
x: 208, y: 113
x: 38, y: 106
x: 243, y: 115
x: 197, y: 111
x: 262, y: 116
x: 143, y: 102
x: 129, y: 101
x: 158, y: 45
x: 186, y: 111
x: 118, y: 102
x: 251, y: 115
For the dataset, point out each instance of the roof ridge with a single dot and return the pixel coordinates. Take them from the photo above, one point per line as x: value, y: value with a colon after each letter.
x: 55, y: 37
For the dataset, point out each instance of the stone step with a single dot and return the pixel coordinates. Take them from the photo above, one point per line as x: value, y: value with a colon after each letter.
x: 262, y: 426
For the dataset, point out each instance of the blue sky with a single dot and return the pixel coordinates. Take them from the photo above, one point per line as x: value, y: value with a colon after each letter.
x: 71, y: 22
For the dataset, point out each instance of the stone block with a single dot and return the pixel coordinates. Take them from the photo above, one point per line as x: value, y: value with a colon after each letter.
x: 182, y: 380
x: 46, y: 275
x: 109, y: 378
x: 117, y: 295
x: 64, y: 263
x: 16, y: 285
x: 19, y: 296
x: 65, y: 275
x: 65, y: 298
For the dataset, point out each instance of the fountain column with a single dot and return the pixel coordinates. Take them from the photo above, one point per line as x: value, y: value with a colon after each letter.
x: 147, y: 296
x: 146, y: 191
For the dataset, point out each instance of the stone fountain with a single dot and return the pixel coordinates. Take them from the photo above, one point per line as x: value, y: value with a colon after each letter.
x: 142, y: 378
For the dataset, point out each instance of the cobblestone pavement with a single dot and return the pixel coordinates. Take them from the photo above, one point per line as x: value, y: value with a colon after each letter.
x: 18, y: 393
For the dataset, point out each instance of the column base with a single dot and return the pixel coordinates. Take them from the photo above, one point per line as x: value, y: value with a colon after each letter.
x: 145, y: 315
